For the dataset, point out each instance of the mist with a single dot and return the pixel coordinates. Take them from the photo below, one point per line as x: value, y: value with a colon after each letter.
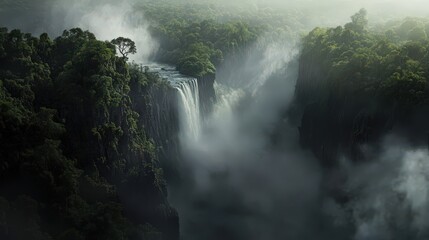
x: 110, y: 18
x: 107, y: 19
x: 236, y: 185
x: 389, y: 195
x: 242, y: 181
x: 245, y: 175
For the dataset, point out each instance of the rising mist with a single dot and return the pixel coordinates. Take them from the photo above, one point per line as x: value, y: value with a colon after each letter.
x: 245, y: 173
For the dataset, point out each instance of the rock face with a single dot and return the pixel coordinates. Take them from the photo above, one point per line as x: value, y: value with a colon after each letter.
x: 162, y: 124
x: 156, y: 108
x: 333, y: 122
x: 162, y: 115
x: 161, y: 118
x: 207, y: 94
x: 311, y: 85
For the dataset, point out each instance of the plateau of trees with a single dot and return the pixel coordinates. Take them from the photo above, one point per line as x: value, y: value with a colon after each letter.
x: 389, y: 62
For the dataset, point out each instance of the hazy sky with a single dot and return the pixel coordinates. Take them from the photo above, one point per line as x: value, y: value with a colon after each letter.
x: 52, y: 11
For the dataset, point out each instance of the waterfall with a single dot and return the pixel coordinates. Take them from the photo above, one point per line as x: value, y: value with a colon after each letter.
x: 189, y: 105
x: 187, y: 97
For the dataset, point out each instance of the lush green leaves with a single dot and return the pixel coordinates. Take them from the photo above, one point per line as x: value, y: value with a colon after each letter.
x: 196, y: 37
x: 125, y: 46
x: 70, y: 140
x: 365, y: 63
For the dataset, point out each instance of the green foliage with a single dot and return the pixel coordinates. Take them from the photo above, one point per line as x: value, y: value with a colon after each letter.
x: 198, y: 46
x: 71, y: 140
x: 21, y: 214
x: 417, y: 34
x: 125, y: 46
x: 409, y: 29
x: 368, y: 64
x: 359, y: 21
x: 196, y: 36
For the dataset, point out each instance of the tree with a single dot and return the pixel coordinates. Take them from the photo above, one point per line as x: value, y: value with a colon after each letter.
x: 71, y: 139
x: 417, y: 34
x: 359, y: 21
x: 125, y: 46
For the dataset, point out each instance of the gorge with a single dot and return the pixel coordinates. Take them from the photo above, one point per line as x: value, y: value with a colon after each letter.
x: 168, y: 120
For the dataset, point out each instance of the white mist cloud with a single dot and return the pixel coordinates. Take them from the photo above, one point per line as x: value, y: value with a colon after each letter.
x: 244, y: 187
x: 108, y: 20
x: 236, y: 187
x: 413, y: 183
x: 390, y: 194
x: 237, y: 184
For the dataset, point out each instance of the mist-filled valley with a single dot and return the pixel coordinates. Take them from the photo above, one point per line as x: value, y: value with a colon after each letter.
x: 200, y: 119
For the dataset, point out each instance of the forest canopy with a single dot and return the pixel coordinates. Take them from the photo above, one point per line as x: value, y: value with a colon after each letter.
x: 77, y: 161
x: 197, y: 36
x: 389, y: 62
x: 73, y: 146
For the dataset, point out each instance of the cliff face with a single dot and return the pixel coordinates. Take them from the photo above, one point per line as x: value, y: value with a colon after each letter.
x: 339, y: 126
x: 161, y: 120
x: 334, y: 122
x: 206, y: 93
x: 162, y: 123
x: 156, y: 105
x: 159, y: 112
x: 337, y: 121
x: 311, y: 85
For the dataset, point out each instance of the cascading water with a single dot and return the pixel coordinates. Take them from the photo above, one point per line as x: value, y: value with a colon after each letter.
x: 233, y: 174
x: 188, y: 101
x: 227, y: 162
x: 190, y: 118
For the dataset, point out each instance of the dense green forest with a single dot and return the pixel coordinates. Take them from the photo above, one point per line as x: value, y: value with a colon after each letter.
x: 197, y: 36
x: 359, y: 82
x: 76, y: 157
x: 392, y: 64
x: 76, y: 162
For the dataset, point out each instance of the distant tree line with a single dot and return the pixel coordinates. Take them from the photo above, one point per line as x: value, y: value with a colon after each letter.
x: 197, y: 36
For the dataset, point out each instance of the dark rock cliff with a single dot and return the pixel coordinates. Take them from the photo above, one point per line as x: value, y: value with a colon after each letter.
x: 337, y: 121
x: 206, y: 93
x: 161, y: 120
x: 333, y: 122
x: 162, y: 124
x: 157, y: 109
x: 157, y: 106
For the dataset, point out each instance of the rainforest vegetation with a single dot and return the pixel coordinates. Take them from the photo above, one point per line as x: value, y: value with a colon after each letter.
x: 197, y: 36
x: 73, y: 146
x: 374, y: 77
x: 391, y: 64
x: 76, y: 157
